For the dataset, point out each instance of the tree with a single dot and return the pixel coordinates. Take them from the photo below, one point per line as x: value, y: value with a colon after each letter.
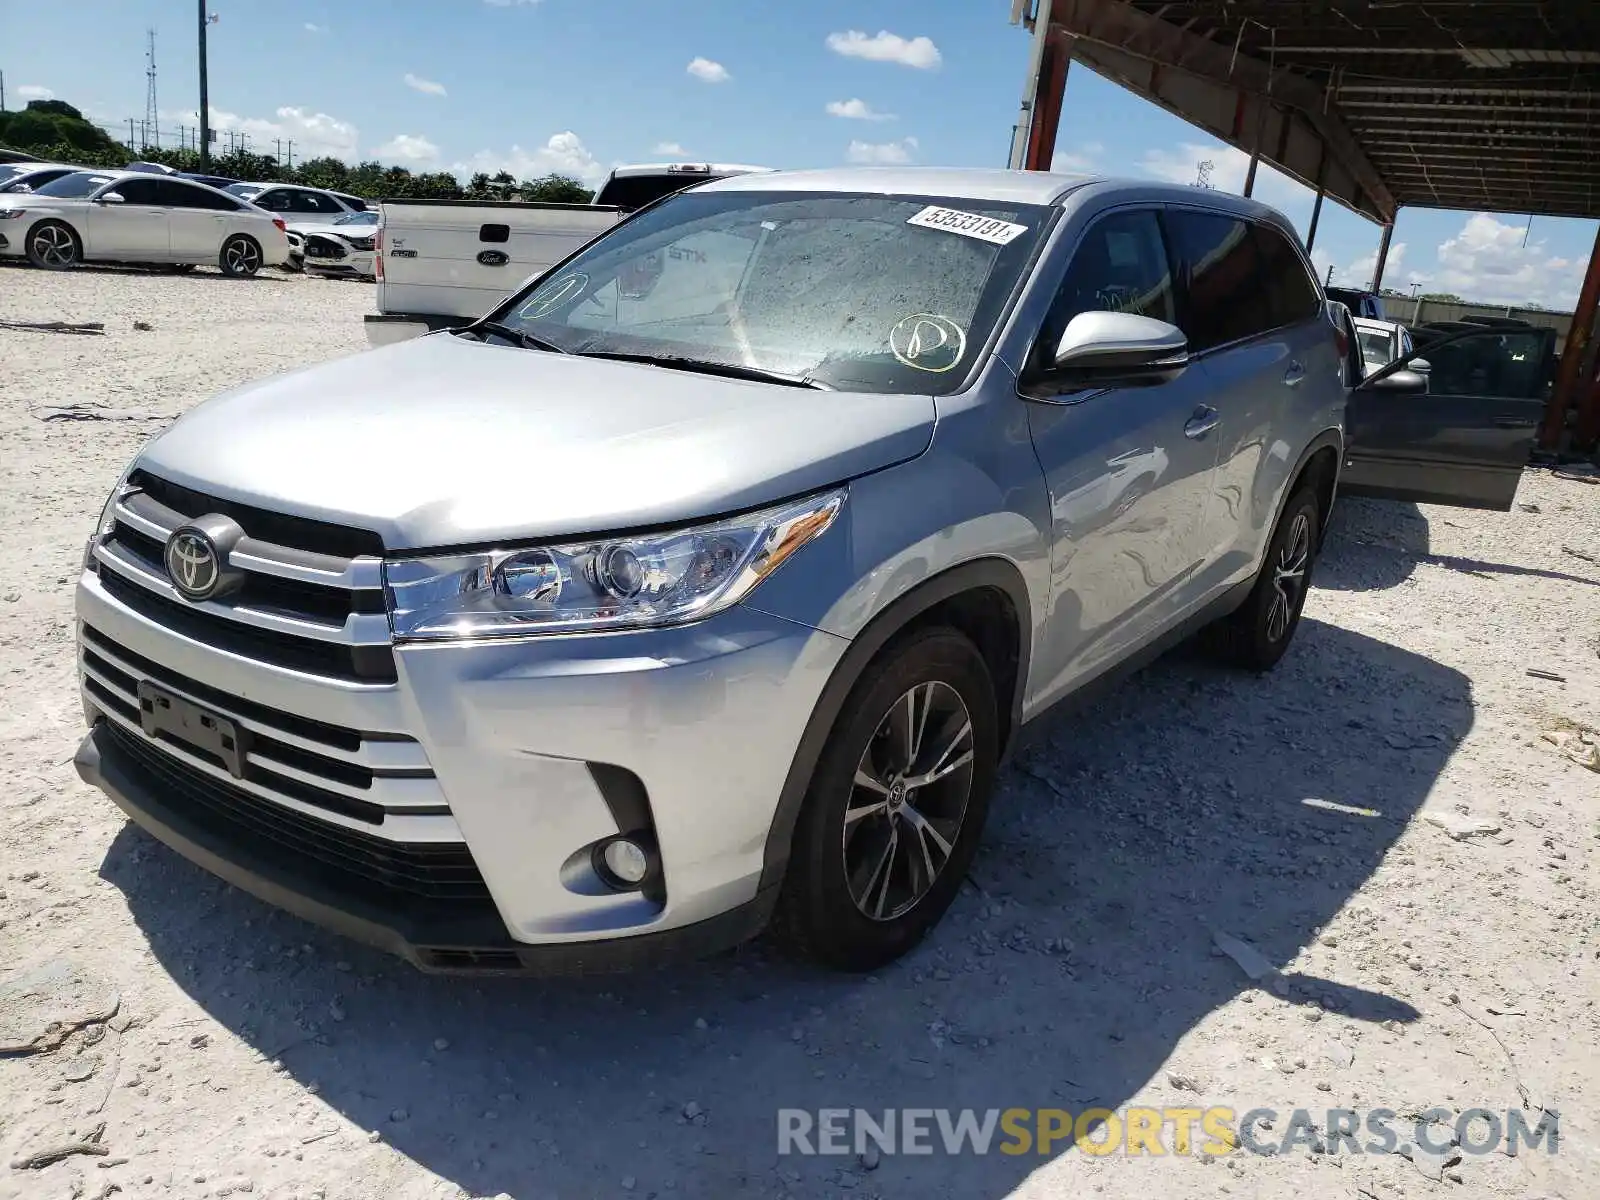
x: 555, y: 189
x: 478, y: 187
x: 1447, y: 297
x: 501, y: 185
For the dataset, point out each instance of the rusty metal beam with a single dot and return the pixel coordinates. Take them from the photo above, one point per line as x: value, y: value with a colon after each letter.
x: 1569, y: 379
x: 1047, y: 98
x: 1383, y: 257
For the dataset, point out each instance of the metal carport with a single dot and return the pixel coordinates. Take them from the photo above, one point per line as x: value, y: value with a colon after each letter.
x: 1489, y: 105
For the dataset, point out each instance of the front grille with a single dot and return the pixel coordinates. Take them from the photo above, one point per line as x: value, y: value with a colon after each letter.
x: 338, y: 856
x: 318, y: 246
x: 311, y: 598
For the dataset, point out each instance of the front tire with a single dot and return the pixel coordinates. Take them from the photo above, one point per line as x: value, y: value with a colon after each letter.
x: 240, y: 257
x: 896, y: 806
x: 1256, y: 636
x: 54, y: 246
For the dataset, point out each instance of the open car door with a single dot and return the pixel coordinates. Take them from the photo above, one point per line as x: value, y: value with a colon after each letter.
x: 1454, y: 421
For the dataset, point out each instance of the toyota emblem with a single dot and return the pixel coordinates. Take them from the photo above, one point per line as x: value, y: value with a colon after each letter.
x: 196, y: 558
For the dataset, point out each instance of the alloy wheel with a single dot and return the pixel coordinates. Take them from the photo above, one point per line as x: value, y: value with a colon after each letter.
x: 54, y: 246
x: 908, y: 801
x: 1289, y: 577
x: 242, y: 256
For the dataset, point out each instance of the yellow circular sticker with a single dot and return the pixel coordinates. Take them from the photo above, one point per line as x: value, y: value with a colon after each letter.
x: 554, y: 294
x: 928, y: 342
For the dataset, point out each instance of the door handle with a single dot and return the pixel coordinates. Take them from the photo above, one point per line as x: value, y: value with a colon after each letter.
x: 1203, y: 421
x: 1294, y: 375
x: 1512, y: 423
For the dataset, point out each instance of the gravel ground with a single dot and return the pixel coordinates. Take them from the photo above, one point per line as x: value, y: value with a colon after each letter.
x: 251, y: 1053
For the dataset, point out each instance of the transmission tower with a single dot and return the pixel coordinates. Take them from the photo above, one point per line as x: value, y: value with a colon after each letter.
x: 152, y: 133
x: 1202, y: 178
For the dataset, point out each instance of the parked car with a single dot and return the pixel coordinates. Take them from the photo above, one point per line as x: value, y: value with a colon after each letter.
x: 635, y: 185
x: 1381, y: 342
x: 150, y: 168
x: 1360, y: 303
x: 444, y: 261
x: 344, y: 246
x: 16, y: 156
x: 637, y: 615
x: 216, y: 181
x: 292, y: 200
x: 25, y: 177
x: 133, y: 217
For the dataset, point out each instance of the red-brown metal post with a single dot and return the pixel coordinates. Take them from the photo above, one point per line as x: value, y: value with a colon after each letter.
x: 1383, y: 258
x: 1047, y: 98
x: 1571, y: 388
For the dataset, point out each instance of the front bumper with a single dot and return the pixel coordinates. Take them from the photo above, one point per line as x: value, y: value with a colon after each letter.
x: 356, y: 262
x: 523, y: 755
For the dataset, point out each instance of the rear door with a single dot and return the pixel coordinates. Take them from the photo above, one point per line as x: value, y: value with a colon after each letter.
x: 195, y: 221
x: 1465, y: 439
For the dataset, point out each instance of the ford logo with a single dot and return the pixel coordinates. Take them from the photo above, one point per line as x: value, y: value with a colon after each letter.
x: 493, y: 258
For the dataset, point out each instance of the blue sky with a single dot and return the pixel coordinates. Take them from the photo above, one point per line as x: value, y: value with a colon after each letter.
x: 570, y: 85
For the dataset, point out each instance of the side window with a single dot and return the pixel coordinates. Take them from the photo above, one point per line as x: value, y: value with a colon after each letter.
x: 1120, y: 265
x: 1291, y: 296
x: 1220, y: 266
x: 181, y: 195
x: 140, y: 191
x: 1503, y: 364
x: 319, y: 203
x: 274, y: 200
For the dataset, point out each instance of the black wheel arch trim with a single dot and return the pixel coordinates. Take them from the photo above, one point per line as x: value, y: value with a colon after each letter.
x: 1328, y: 439
x: 986, y: 573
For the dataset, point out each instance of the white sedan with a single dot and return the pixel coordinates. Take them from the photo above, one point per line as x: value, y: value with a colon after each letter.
x: 345, y: 246
x: 131, y: 217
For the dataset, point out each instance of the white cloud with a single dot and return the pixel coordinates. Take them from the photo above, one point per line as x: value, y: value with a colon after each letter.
x: 919, y: 52
x: 32, y: 91
x: 882, y: 153
x: 311, y: 28
x: 410, y: 148
x: 671, y: 148
x: 857, y: 110
x: 563, y: 154
x: 1486, y: 261
x: 427, y: 86
x: 1229, y: 167
x: 315, y: 135
x: 707, y: 71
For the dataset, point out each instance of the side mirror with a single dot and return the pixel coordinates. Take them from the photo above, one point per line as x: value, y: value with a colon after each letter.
x: 1402, y: 382
x: 109, y: 198
x: 1421, y: 366
x: 1111, y: 349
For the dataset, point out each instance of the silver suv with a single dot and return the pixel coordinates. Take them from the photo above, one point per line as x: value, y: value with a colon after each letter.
x: 702, y: 585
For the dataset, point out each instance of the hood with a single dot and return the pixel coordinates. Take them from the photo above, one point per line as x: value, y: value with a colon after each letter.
x: 329, y: 229
x: 445, y: 441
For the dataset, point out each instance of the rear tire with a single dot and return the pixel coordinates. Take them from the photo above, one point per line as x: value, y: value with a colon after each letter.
x: 240, y: 257
x: 54, y: 246
x: 1257, y: 634
x: 877, y: 857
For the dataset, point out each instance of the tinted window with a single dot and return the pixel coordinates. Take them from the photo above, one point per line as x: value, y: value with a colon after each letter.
x: 274, y: 200
x: 1291, y: 294
x: 354, y: 202
x: 1120, y: 265
x: 1221, y: 268
x: 243, y: 190
x: 311, y: 202
x: 74, y: 186
x: 199, y: 197
x: 1507, y: 364
x: 144, y: 190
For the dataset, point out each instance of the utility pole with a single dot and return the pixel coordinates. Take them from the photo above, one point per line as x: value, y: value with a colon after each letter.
x: 131, y: 144
x: 205, y: 101
x: 1329, y: 279
x: 291, y: 154
x: 2, y: 91
x: 151, y: 113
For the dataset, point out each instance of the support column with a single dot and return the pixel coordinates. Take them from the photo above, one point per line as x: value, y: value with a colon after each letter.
x: 1316, y: 207
x: 1021, y: 132
x: 1046, y: 115
x: 1572, y: 388
x: 1250, y: 173
x: 1383, y: 257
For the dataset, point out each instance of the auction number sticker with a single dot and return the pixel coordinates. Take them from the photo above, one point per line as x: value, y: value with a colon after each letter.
x: 972, y: 225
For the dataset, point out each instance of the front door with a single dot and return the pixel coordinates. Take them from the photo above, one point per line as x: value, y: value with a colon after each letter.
x: 1458, y: 432
x: 134, y: 230
x: 1128, y: 469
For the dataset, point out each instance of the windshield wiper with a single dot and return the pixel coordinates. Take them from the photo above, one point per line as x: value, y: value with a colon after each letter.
x: 678, y: 362
x: 525, y: 340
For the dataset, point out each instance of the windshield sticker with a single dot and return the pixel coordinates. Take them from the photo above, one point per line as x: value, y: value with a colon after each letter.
x: 552, y: 296
x: 928, y: 342
x: 973, y: 225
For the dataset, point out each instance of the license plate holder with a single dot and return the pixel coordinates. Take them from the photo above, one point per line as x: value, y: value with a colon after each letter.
x: 163, y: 714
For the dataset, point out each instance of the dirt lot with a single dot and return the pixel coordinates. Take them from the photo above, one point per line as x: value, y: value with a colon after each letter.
x: 252, y: 1054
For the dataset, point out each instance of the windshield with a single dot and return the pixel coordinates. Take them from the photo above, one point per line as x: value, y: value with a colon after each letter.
x: 1375, y: 346
x: 859, y: 292
x: 74, y: 186
x: 359, y: 218
x: 244, y: 190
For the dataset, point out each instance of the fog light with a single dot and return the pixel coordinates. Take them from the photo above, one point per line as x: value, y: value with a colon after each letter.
x: 626, y: 861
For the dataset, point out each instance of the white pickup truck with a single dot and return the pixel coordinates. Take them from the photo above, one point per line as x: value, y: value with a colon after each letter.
x: 441, y: 263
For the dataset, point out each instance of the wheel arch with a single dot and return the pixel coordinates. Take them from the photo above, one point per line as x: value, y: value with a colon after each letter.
x: 985, y: 599
x: 1319, y: 464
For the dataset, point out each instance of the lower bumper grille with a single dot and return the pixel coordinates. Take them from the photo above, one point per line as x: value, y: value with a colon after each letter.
x: 339, y: 857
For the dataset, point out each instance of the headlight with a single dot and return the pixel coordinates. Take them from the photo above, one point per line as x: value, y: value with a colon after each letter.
x: 108, y: 519
x: 616, y: 583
